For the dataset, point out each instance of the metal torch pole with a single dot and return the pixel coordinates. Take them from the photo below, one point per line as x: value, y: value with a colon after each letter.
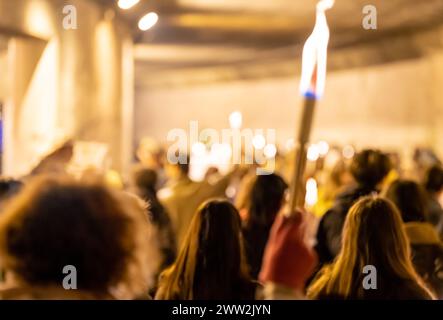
x: 297, y: 188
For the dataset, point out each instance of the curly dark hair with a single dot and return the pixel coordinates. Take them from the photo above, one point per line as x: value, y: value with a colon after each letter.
x: 56, y: 222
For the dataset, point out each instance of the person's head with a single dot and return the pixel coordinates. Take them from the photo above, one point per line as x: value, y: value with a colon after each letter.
x: 145, y: 179
x: 373, y: 234
x: 409, y: 198
x: 149, y: 153
x: 265, y: 199
x: 54, y: 223
x: 339, y: 174
x: 8, y: 189
x: 370, y: 167
x: 434, y: 179
x: 211, y: 263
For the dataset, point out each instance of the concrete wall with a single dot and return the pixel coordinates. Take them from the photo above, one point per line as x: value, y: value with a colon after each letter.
x: 396, y: 106
x: 67, y: 84
x: 3, y: 75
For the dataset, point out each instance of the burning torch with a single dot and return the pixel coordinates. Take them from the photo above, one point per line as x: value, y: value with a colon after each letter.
x: 312, y: 85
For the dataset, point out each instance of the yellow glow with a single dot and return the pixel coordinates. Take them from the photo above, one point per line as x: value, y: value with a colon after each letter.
x: 220, y: 152
x: 323, y: 148
x: 114, y: 180
x: 290, y: 144
x: 235, y: 21
x: 200, y: 161
x: 198, y: 149
x: 148, y: 21
x: 258, y: 141
x: 313, y: 152
x: 236, y: 5
x: 38, y: 20
x: 236, y: 120
x: 106, y: 69
x: 270, y: 151
x: 88, y: 155
x: 348, y: 152
x: 38, y: 115
x: 220, y: 156
x: 127, y: 4
x: 315, y: 53
x: 311, y: 192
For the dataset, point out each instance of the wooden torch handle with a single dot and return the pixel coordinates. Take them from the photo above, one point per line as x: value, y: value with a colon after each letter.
x: 296, y: 188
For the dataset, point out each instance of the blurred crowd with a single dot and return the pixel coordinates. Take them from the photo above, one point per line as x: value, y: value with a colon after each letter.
x: 158, y: 234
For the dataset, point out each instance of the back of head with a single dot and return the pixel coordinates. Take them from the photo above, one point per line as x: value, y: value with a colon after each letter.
x: 265, y: 199
x: 372, y: 235
x: 8, y: 189
x: 145, y: 179
x: 434, y: 179
x: 369, y: 167
x: 210, y: 264
x: 55, y: 223
x: 409, y: 198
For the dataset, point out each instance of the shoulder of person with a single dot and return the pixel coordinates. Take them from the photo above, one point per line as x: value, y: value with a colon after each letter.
x: 422, y: 233
x: 410, y: 290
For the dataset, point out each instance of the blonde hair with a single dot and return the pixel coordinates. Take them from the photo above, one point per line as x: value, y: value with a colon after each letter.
x: 372, y: 235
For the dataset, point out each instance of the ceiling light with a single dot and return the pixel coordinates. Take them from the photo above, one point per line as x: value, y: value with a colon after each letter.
x: 127, y: 4
x: 148, y: 21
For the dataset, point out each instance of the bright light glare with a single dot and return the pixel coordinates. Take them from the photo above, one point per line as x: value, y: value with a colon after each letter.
x: 323, y: 147
x: 258, y: 141
x: 37, y: 18
x: 311, y: 192
x: 270, y: 151
x: 236, y: 120
x: 230, y: 192
x: 148, y: 21
x: 221, y: 151
x: 313, y: 152
x: 315, y: 53
x: 198, y: 149
x: 127, y: 4
x: 290, y: 144
x: 348, y: 152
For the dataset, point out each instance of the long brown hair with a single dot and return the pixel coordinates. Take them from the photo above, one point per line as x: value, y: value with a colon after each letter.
x: 372, y: 235
x: 211, y: 263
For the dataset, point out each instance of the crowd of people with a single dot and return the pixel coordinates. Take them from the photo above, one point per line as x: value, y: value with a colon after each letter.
x: 161, y: 235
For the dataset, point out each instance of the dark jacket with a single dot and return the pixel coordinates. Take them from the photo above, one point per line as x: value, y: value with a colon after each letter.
x: 331, y: 225
x: 427, y: 254
x: 435, y: 211
x: 440, y: 229
x: 160, y: 218
x: 255, y: 238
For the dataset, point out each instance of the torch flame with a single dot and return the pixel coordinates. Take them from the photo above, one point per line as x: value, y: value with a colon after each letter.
x: 313, y: 77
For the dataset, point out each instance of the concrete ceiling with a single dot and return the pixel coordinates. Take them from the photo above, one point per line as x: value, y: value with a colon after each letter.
x: 262, y: 38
